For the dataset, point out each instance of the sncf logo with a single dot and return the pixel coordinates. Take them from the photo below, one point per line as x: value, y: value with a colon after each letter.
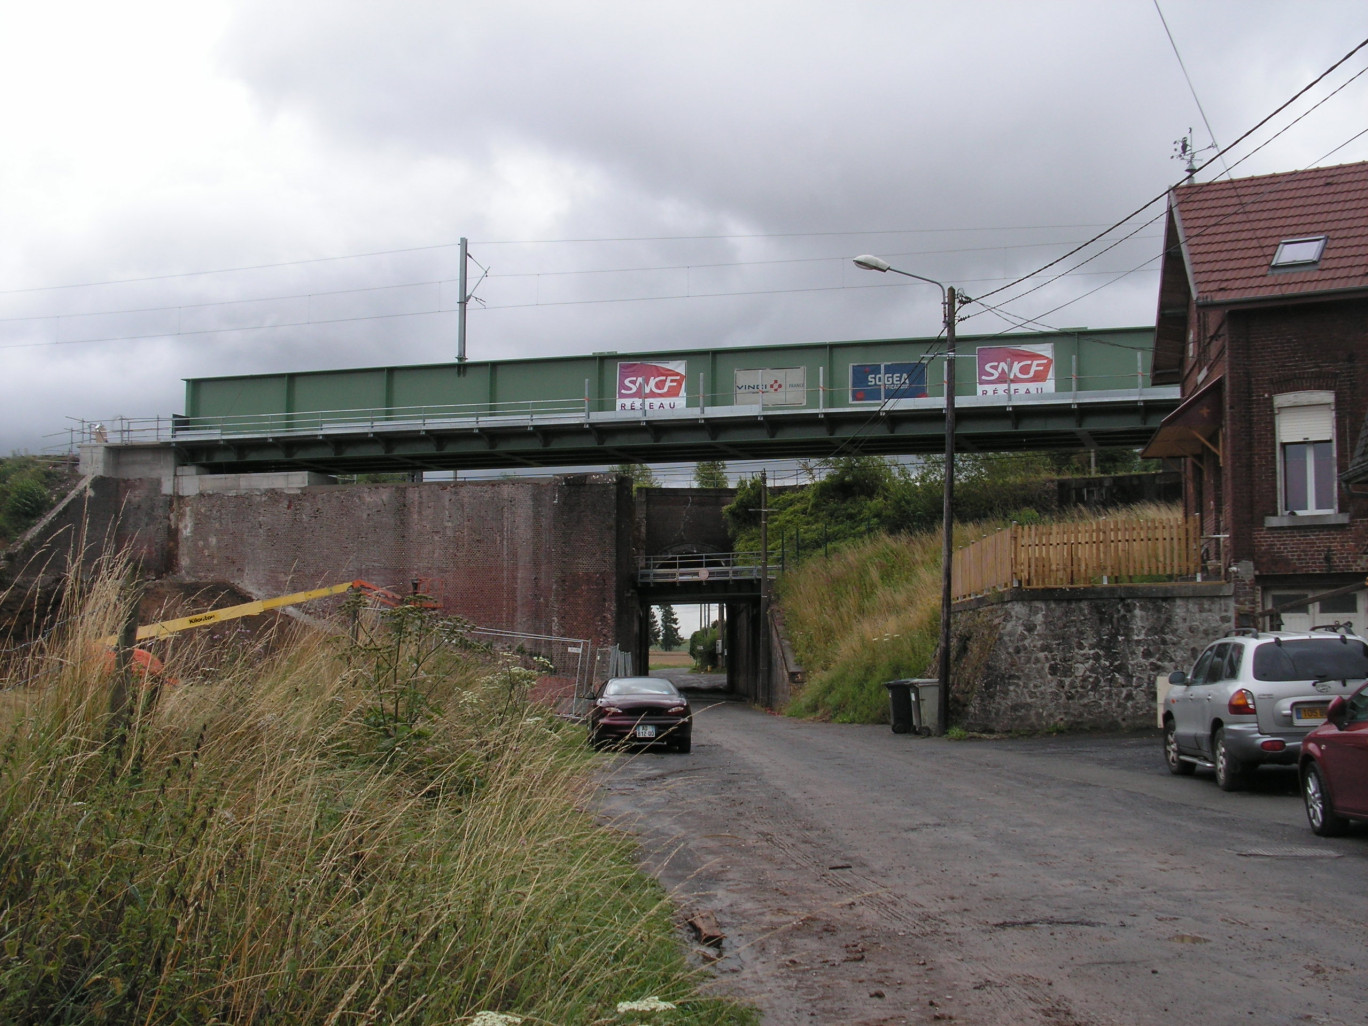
x: 649, y: 381
x: 1003, y: 365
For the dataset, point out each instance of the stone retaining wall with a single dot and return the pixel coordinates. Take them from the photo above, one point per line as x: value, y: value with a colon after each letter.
x: 1082, y: 659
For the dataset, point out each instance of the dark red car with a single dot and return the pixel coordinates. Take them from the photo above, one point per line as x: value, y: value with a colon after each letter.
x: 640, y: 711
x: 1334, y: 766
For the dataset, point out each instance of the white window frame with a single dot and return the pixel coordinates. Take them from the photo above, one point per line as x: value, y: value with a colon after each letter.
x: 1305, y: 417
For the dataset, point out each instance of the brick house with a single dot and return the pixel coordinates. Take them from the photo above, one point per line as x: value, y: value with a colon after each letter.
x: 1263, y: 321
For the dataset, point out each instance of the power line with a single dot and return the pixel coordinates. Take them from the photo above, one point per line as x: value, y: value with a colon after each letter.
x: 443, y: 282
x: 1211, y: 134
x: 1221, y: 153
x: 306, y: 261
x: 435, y: 310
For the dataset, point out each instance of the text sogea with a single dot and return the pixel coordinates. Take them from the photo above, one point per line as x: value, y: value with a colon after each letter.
x: 893, y: 380
x: 662, y: 384
x: 1016, y: 370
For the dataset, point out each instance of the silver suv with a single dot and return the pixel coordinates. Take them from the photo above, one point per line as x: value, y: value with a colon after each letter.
x: 1253, y: 695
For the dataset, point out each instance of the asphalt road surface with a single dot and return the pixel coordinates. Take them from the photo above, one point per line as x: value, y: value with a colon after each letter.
x: 861, y: 877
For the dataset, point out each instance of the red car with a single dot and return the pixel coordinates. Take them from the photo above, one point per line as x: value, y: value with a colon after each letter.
x: 643, y: 711
x: 1334, y: 766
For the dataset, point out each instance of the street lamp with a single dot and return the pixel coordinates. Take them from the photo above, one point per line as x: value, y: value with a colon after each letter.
x: 869, y: 262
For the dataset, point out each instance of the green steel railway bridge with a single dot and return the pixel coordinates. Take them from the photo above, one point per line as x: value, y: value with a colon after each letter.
x: 1073, y: 389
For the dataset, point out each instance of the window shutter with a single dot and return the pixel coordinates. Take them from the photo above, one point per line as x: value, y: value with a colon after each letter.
x: 1305, y: 424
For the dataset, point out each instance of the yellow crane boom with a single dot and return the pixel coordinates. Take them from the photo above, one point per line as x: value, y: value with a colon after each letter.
x: 166, y: 628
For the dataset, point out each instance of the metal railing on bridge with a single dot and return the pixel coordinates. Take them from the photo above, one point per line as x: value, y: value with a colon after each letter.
x: 703, y: 567
x: 824, y: 397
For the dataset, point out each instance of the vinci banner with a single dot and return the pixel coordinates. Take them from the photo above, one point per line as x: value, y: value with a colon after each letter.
x: 651, y: 386
x: 1016, y: 370
x: 880, y: 382
x: 784, y: 386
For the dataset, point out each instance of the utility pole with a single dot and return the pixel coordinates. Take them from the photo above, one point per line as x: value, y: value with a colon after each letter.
x: 870, y: 262
x: 461, y: 305
x: 947, y: 516
x: 763, y: 691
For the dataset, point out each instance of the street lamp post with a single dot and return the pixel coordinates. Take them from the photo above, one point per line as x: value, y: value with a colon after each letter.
x: 873, y: 263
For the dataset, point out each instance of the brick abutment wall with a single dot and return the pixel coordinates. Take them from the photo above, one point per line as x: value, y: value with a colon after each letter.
x: 544, y: 556
x: 1084, y: 658
x: 550, y: 556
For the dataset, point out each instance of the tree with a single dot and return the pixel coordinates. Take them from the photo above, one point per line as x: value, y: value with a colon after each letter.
x: 655, y: 627
x: 669, y: 629
x: 711, y: 474
x: 640, y: 473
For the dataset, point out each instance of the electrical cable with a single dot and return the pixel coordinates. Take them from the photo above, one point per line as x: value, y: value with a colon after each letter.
x: 444, y: 282
x: 306, y: 261
x: 1163, y: 195
x: 1211, y: 134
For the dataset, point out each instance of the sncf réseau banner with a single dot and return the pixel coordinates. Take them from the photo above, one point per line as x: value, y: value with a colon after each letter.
x: 1016, y: 370
x: 651, y: 386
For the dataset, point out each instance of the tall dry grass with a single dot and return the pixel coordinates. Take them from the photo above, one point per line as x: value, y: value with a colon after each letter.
x: 379, y: 831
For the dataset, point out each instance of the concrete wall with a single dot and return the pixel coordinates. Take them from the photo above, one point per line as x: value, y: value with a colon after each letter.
x: 1085, y: 658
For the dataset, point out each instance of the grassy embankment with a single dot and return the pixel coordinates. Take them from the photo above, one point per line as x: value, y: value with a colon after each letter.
x: 867, y: 613
x: 383, y: 832
x: 870, y: 612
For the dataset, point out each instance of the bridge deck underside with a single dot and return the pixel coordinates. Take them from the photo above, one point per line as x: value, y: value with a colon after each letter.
x: 1054, y: 422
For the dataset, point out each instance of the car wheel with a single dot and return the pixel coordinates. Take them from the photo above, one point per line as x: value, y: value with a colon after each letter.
x: 684, y: 745
x: 596, y: 741
x: 1230, y: 771
x: 1177, y: 765
x: 1324, y: 822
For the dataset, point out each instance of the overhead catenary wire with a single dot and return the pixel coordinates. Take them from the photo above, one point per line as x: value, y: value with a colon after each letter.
x: 439, y: 308
x: 455, y: 244
x: 1173, y: 43
x: 1163, y: 195
x: 451, y: 282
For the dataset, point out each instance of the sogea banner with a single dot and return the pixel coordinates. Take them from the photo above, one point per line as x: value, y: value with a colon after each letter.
x: 1016, y: 370
x: 877, y: 382
x: 651, y: 386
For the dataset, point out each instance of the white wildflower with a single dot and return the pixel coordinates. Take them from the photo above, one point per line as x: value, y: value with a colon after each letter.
x: 650, y: 1004
x: 494, y: 1019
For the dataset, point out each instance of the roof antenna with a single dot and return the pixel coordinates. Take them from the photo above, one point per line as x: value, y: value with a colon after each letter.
x: 1183, y: 149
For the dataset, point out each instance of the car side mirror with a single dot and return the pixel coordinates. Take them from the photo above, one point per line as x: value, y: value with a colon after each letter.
x: 1338, y: 713
x: 1178, y: 677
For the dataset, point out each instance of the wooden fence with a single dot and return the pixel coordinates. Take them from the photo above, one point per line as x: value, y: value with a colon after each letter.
x: 1079, y: 555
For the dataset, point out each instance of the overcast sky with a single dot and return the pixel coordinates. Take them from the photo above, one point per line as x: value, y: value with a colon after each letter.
x: 233, y: 186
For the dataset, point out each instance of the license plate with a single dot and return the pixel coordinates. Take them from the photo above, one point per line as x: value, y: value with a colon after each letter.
x: 1308, y: 713
x: 648, y: 730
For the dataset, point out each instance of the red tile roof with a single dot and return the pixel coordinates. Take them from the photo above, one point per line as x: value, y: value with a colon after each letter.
x: 1231, y: 229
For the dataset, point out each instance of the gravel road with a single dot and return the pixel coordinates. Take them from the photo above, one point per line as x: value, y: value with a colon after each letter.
x: 866, y: 877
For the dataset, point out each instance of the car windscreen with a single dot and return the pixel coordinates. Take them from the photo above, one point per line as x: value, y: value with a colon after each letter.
x: 639, y: 686
x: 1332, y: 659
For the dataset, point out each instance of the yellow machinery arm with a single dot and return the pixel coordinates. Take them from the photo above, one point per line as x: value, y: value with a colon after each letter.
x: 166, y: 628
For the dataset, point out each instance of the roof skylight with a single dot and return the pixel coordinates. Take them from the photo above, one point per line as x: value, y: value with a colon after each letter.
x: 1299, y: 254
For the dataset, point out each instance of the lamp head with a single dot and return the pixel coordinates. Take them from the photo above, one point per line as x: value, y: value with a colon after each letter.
x: 872, y: 263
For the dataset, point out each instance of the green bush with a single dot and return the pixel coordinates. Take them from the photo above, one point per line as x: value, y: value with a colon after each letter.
x: 28, y: 488
x: 703, y: 649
